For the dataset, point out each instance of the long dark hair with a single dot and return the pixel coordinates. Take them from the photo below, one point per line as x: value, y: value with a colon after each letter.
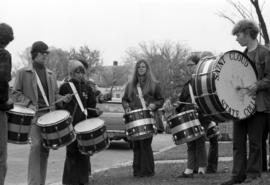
x: 150, y: 80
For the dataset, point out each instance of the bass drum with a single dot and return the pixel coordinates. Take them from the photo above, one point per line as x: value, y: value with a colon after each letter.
x: 219, y: 86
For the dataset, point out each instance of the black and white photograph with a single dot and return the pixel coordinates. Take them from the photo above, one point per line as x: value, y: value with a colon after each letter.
x: 137, y: 92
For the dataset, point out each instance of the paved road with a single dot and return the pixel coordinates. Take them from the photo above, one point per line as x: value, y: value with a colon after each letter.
x: 117, y: 153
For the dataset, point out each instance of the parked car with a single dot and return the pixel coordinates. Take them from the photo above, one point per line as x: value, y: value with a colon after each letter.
x: 113, y: 116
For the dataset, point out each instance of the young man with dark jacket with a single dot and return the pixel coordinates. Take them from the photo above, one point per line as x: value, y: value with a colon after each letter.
x: 6, y: 36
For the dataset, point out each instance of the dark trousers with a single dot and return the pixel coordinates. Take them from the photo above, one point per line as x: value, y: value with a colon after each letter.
x: 213, y: 154
x: 250, y: 128
x: 143, y: 158
x: 76, y: 167
x: 265, y: 136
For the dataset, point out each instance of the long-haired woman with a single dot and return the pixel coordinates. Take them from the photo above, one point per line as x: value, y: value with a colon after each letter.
x: 151, y: 98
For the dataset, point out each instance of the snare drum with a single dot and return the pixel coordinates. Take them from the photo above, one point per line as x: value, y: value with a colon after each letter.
x: 56, y: 129
x: 19, y: 124
x: 92, y: 136
x: 139, y: 124
x: 219, y: 86
x: 185, y: 127
x: 212, y: 130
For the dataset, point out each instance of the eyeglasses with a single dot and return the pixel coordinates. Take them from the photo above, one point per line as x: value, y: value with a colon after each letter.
x: 79, y: 70
x: 44, y: 53
x: 191, y: 65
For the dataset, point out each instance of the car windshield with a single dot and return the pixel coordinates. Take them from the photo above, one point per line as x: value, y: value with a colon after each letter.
x: 111, y: 107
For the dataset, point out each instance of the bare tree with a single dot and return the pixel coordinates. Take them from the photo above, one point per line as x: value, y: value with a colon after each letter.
x: 58, y: 62
x: 91, y: 57
x: 166, y: 60
x: 247, y: 13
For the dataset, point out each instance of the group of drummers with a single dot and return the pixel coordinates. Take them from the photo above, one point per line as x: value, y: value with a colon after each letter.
x: 234, y: 86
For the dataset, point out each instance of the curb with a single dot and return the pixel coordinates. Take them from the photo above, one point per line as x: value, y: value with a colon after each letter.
x: 129, y: 163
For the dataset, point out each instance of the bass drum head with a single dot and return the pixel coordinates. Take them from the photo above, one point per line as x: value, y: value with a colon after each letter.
x: 22, y: 110
x: 52, y: 118
x: 89, y: 125
x: 234, y: 72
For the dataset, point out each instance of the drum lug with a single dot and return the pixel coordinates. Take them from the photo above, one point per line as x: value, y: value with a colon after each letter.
x: 55, y: 147
x: 90, y: 153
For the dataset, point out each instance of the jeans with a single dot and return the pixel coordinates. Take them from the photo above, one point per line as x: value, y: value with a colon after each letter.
x: 251, y: 128
x: 38, y: 158
x: 213, y: 154
x: 196, y: 153
x: 265, y: 136
x: 3, y: 146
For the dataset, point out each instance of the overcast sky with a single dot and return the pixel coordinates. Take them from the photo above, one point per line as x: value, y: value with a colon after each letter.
x: 113, y: 26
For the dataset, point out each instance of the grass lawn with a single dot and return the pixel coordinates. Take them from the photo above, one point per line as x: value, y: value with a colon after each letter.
x: 167, y: 171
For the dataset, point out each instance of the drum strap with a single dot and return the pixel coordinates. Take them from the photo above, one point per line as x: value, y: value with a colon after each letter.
x: 42, y: 90
x: 141, y: 96
x: 78, y: 98
x: 191, y: 94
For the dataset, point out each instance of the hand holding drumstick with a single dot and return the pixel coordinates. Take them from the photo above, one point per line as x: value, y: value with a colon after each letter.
x: 250, y: 90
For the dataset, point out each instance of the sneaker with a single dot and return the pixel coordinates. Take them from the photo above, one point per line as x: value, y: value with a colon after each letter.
x: 184, y: 175
x: 232, y: 181
x: 201, y: 173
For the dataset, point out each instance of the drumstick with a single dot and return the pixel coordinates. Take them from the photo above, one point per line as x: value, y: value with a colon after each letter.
x: 57, y: 101
x: 177, y: 103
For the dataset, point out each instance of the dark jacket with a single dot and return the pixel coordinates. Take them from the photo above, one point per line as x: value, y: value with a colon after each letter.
x: 87, y: 97
x: 261, y: 58
x: 185, y: 97
x: 134, y: 102
x: 77, y: 165
x: 5, y: 77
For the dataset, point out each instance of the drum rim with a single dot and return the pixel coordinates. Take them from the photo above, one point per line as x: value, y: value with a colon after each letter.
x: 83, y: 132
x: 137, y: 110
x: 182, y: 113
x: 55, y: 123
x: 22, y: 114
x: 251, y: 63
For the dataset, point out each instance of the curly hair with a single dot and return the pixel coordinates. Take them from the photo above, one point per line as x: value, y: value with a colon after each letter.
x: 247, y: 27
x: 6, y: 34
x: 194, y: 58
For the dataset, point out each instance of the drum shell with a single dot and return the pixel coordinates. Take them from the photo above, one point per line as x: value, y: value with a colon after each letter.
x: 19, y: 126
x: 208, y: 100
x: 57, y: 134
x: 92, y: 141
x: 185, y: 127
x: 139, y: 124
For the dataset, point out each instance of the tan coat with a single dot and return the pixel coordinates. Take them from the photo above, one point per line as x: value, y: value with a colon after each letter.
x: 26, y: 88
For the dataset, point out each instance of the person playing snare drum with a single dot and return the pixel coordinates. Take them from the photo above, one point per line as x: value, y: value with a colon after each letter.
x: 142, y: 91
x: 35, y: 87
x: 77, y: 166
x: 196, y: 149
